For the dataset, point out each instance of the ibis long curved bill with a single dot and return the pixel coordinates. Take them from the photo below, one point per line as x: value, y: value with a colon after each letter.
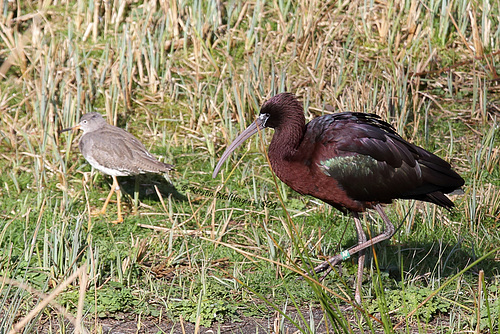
x: 259, y: 124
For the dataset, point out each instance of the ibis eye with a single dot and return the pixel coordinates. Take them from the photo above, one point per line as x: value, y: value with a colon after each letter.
x: 264, y: 118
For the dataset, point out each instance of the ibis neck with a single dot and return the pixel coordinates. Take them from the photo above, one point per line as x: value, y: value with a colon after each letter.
x: 286, y: 140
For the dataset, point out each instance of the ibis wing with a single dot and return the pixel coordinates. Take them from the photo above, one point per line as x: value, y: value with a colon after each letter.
x: 371, y: 162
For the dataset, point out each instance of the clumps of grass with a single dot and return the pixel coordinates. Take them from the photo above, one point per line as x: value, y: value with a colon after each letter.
x: 187, y: 77
x: 489, y: 311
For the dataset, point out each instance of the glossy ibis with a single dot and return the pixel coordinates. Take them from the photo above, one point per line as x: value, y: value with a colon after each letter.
x: 115, y: 152
x: 352, y: 161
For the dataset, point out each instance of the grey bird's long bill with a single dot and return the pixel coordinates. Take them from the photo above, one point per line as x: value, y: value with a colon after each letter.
x: 76, y: 127
x: 259, y: 124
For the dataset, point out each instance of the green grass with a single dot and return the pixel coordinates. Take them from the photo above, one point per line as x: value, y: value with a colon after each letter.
x: 186, y: 77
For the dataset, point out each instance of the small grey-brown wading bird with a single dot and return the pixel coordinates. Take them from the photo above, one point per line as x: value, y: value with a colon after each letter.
x: 115, y: 152
x: 352, y: 161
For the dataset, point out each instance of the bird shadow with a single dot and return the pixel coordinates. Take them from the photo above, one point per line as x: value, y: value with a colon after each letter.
x: 148, y: 184
x: 426, y: 259
x: 438, y: 258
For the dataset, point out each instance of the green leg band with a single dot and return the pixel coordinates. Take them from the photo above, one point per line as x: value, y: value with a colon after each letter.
x: 345, y: 255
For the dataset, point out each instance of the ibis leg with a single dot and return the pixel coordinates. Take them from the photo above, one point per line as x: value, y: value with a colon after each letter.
x: 361, y: 258
x: 388, y: 232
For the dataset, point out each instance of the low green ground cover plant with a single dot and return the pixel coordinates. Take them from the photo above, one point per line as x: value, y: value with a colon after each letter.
x: 186, y: 77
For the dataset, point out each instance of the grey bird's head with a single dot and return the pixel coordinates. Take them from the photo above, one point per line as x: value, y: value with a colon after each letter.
x: 89, y: 122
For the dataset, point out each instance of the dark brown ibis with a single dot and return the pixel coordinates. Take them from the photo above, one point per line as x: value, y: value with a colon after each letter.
x: 352, y: 161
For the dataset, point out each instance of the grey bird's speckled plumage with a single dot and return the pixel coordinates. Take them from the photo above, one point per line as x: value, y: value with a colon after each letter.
x: 115, y: 152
